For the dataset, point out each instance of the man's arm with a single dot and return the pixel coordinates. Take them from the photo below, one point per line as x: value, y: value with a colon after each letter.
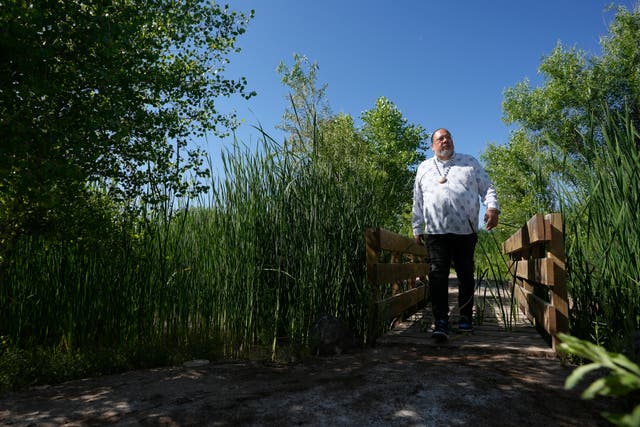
x: 491, y: 218
x: 489, y: 199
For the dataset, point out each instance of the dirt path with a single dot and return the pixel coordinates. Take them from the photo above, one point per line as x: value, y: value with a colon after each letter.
x: 383, y: 386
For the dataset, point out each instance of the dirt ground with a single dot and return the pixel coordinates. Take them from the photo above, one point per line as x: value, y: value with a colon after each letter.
x: 382, y: 386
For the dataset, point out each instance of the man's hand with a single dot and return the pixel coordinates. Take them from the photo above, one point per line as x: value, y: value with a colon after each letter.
x: 491, y: 218
x: 420, y: 239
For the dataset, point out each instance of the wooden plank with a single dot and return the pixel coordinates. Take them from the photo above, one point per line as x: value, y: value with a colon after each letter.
x: 391, y: 273
x: 546, y: 271
x: 403, y: 268
x: 372, y: 241
x: 393, y: 242
x: 491, y: 335
x: 532, y: 233
x: 545, y: 243
x: 536, y: 310
x: 559, y: 296
x: 516, y: 242
x: 394, y: 306
x: 555, y: 236
x: 524, y: 284
x: 536, y: 229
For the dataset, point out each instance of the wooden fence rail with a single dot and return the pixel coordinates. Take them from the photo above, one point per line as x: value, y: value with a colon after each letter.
x: 537, y: 268
x: 396, y: 261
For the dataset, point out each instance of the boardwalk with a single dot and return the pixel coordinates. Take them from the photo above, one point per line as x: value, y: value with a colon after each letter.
x: 492, y: 334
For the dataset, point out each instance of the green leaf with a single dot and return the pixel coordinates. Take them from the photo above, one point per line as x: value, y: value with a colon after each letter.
x: 627, y: 420
x: 578, y: 374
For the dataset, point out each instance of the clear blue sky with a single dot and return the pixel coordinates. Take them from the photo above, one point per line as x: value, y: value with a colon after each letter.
x: 444, y: 64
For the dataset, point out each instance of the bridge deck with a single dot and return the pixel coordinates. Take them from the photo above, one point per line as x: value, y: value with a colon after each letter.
x: 491, y: 331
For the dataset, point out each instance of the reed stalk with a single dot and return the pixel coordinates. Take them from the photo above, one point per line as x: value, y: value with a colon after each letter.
x: 245, y: 271
x: 603, y: 239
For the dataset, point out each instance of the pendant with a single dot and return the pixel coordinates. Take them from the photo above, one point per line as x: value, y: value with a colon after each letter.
x: 442, y: 179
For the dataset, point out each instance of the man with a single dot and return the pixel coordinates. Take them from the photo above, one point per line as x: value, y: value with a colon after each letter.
x: 446, y: 206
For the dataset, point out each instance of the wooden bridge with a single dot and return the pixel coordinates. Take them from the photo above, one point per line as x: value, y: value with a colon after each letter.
x: 521, y: 315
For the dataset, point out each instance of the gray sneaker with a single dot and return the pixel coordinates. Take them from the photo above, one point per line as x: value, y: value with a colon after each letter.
x: 440, y: 331
x: 464, y: 324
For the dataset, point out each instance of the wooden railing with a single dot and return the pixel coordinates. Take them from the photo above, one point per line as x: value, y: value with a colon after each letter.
x: 395, y: 261
x: 538, y: 274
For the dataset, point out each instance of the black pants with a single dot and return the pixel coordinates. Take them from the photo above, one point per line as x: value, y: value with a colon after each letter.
x: 443, y: 249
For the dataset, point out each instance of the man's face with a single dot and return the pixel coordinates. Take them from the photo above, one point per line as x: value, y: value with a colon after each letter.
x: 442, y: 144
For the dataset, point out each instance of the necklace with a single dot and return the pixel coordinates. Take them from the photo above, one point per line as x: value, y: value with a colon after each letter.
x: 446, y: 169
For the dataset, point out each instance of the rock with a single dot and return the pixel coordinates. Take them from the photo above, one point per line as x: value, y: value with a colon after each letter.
x: 195, y: 363
x: 330, y: 336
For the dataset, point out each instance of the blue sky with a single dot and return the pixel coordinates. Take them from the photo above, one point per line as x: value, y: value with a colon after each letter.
x: 443, y: 64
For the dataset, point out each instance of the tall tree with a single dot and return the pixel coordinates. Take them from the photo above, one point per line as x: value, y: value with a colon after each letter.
x: 525, y: 193
x: 342, y: 145
x: 107, y: 94
x: 308, y: 105
x: 397, y: 147
x: 578, y: 90
x: 384, y: 151
x: 554, y: 120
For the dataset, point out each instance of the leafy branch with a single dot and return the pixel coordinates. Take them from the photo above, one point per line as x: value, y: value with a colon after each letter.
x: 623, y: 376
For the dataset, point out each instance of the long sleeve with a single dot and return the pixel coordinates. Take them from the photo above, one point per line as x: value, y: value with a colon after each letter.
x: 417, y: 213
x: 451, y: 206
x: 486, y: 189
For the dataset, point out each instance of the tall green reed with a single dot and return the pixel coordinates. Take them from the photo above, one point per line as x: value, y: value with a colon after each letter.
x: 493, y: 280
x: 603, y: 240
x: 301, y: 223
x: 279, y: 241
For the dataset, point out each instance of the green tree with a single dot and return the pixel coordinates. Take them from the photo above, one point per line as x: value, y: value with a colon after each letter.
x: 385, y: 150
x: 578, y: 90
x: 342, y: 146
x: 397, y: 148
x: 107, y: 95
x: 575, y: 149
x: 525, y: 193
x: 554, y: 120
x: 308, y: 105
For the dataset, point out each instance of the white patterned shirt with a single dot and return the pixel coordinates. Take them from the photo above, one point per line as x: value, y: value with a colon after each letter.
x: 452, y: 206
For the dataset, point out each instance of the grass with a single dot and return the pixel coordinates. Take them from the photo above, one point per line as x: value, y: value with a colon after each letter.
x: 247, y: 270
x: 277, y: 242
x: 492, y: 280
x: 603, y: 241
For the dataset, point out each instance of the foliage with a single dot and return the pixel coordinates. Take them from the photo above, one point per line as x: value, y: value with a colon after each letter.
x: 309, y: 105
x: 397, y: 148
x: 246, y: 273
x: 553, y: 120
x: 386, y: 148
x: 524, y: 193
x: 492, y: 277
x: 622, y: 379
x: 603, y: 239
x: 341, y: 145
x: 107, y: 94
x: 579, y: 87
x: 575, y: 148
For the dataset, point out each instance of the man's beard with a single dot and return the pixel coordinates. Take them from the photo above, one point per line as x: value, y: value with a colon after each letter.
x: 445, y: 153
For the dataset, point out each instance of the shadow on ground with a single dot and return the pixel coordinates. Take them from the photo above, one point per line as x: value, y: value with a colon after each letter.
x: 383, y: 386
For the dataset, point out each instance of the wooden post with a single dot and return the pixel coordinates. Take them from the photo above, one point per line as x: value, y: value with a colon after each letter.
x: 402, y: 269
x: 538, y: 260
x: 372, y: 240
x: 553, y: 226
x: 395, y: 259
